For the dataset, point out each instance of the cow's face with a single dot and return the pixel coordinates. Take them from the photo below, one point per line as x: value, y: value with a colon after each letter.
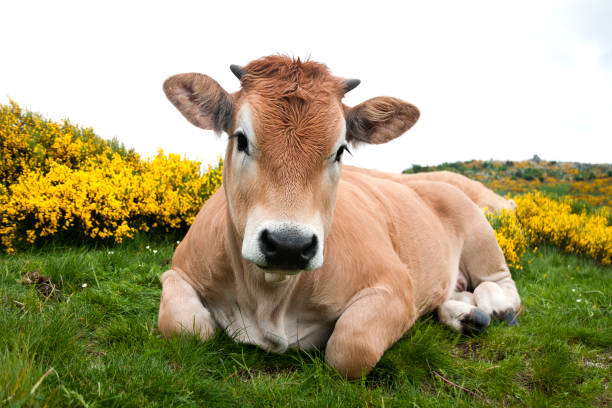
x: 288, y: 130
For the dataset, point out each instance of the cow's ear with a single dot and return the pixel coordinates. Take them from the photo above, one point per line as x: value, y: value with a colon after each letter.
x: 379, y: 120
x: 201, y: 100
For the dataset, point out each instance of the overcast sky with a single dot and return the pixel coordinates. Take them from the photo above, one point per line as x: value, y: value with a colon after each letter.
x: 501, y: 80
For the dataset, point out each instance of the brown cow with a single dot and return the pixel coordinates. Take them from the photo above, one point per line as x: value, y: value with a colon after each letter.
x: 293, y: 251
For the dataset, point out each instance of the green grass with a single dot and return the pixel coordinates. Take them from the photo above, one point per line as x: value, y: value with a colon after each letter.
x: 98, y: 345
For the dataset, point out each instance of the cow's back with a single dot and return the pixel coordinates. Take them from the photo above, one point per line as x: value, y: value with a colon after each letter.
x: 476, y: 191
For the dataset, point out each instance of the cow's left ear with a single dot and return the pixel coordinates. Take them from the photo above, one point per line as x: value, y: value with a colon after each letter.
x: 379, y: 120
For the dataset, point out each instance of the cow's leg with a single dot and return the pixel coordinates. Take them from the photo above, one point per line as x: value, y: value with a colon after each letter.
x: 499, y: 299
x: 461, y: 314
x: 375, y: 319
x: 494, y: 290
x: 181, y: 310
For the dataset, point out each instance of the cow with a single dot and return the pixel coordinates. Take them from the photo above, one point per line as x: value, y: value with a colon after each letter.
x: 294, y: 251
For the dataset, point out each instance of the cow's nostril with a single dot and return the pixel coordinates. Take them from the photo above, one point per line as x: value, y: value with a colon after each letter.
x: 311, y: 249
x: 267, y: 244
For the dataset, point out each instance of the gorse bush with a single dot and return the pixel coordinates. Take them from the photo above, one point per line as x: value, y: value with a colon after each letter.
x: 59, y: 177
x: 541, y: 219
x: 30, y: 142
x: 510, y: 236
x: 546, y: 220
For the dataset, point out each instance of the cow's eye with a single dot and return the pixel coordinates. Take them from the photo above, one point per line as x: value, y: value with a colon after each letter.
x: 340, y: 151
x: 242, y: 143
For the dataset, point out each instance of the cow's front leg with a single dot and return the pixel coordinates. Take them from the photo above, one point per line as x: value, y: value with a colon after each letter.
x: 375, y: 319
x: 181, y: 310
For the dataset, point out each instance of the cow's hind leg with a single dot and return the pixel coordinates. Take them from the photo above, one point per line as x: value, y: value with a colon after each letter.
x: 494, y: 289
x: 181, y: 310
x: 461, y: 314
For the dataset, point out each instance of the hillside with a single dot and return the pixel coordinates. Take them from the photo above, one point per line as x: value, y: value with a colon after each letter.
x: 591, y: 183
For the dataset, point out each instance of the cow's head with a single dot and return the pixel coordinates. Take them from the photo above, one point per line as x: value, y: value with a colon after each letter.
x: 288, y: 130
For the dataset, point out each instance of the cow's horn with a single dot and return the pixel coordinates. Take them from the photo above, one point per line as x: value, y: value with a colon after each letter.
x: 351, y: 84
x: 237, y: 70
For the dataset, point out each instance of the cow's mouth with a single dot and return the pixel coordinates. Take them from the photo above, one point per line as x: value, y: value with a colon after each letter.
x: 275, y: 275
x: 279, y: 271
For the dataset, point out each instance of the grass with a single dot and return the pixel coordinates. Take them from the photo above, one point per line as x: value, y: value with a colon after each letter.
x: 94, y: 342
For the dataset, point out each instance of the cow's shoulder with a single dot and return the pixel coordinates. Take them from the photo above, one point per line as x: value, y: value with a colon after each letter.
x: 203, y: 252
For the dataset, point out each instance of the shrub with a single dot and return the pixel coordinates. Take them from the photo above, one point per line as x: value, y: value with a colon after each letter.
x: 547, y: 220
x: 28, y: 141
x: 510, y: 236
x: 63, y: 178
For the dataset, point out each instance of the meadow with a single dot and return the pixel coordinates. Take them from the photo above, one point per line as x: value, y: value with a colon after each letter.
x: 87, y: 227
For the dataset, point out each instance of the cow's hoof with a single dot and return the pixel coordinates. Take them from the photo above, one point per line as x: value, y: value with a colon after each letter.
x: 508, y: 316
x: 475, y: 322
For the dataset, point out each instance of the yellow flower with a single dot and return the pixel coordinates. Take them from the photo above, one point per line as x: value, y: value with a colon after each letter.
x: 61, y: 177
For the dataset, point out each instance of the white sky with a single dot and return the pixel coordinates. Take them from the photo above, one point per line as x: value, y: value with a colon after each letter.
x: 502, y: 80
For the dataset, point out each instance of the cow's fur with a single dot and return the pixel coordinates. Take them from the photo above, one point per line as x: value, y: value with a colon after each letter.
x: 477, y: 192
x: 394, y: 247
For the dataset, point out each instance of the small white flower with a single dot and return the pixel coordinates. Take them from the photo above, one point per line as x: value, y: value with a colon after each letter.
x: 111, y: 252
x: 155, y: 251
x: 148, y: 247
x: 578, y: 300
x: 178, y: 242
x: 573, y: 290
x: 84, y: 285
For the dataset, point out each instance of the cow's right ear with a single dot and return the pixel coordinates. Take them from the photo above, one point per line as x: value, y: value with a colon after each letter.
x: 201, y: 100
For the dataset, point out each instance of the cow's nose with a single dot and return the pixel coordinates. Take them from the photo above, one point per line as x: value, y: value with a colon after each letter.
x: 287, y: 249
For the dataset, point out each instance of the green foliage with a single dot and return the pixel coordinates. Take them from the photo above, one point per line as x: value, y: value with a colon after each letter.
x: 529, y: 174
x: 529, y: 170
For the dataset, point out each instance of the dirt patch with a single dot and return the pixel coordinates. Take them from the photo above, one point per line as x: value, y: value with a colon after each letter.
x: 468, y: 350
x: 44, y: 285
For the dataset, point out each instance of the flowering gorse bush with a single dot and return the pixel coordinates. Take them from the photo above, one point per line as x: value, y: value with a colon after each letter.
x: 546, y: 220
x: 30, y: 142
x: 595, y: 192
x: 540, y: 219
x: 63, y: 178
x: 510, y: 236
